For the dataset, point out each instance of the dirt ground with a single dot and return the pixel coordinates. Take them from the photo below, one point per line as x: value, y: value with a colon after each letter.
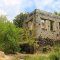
x: 5, y: 57
x: 18, y: 56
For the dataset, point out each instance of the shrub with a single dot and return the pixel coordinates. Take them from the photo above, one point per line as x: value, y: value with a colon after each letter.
x: 54, y: 56
x: 9, y: 42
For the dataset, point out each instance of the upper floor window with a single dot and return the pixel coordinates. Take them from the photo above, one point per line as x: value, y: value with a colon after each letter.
x: 59, y: 25
x: 51, y: 25
x: 43, y: 24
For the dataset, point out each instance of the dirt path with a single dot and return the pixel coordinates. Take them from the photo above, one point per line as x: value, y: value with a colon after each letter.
x: 5, y: 57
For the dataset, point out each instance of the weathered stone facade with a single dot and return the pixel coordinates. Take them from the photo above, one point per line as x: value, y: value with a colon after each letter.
x: 44, y: 24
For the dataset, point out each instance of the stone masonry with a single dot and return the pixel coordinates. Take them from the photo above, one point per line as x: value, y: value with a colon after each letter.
x: 43, y: 24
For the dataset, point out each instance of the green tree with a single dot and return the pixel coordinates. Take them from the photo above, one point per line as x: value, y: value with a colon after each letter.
x: 57, y: 13
x: 11, y: 37
x: 8, y: 36
x: 19, y: 19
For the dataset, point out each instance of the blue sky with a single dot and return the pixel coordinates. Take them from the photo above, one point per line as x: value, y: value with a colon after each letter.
x: 11, y: 8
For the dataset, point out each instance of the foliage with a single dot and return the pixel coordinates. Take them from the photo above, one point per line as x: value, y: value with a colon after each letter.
x: 19, y: 19
x: 8, y: 36
x: 27, y: 42
x: 54, y: 56
x: 31, y: 57
x: 57, y: 13
x: 11, y: 37
x: 27, y: 38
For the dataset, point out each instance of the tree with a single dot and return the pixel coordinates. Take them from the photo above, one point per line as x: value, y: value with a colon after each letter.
x: 57, y: 13
x: 8, y: 36
x: 12, y: 37
x: 19, y: 19
x: 28, y: 44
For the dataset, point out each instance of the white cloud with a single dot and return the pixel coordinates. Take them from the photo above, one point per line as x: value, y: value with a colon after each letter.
x: 42, y: 3
x: 0, y: 5
x: 51, y: 5
x: 28, y: 3
x: 56, y: 5
x: 2, y: 12
x: 11, y: 2
x: 23, y: 5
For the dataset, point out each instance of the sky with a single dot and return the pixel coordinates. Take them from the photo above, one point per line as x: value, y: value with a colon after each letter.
x: 11, y: 8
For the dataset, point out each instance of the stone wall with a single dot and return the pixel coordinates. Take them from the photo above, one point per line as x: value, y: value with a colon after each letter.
x: 45, y: 24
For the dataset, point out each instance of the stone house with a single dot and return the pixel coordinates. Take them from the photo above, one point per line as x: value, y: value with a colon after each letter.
x: 44, y: 24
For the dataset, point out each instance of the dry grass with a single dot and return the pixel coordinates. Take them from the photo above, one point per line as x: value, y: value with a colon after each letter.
x: 31, y: 56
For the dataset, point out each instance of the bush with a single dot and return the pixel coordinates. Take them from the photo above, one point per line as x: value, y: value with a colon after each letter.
x: 54, y: 56
x: 9, y: 41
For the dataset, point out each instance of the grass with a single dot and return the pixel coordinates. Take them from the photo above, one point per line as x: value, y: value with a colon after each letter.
x: 31, y: 56
x: 52, y: 55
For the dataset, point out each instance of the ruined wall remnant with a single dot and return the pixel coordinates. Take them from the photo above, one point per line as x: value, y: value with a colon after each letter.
x: 44, y: 24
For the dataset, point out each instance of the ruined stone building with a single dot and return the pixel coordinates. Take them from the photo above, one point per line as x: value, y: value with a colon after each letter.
x: 44, y: 24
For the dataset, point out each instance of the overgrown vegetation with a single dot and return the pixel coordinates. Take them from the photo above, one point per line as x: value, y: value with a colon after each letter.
x: 14, y: 38
x: 52, y: 55
x: 19, y: 19
x: 8, y: 36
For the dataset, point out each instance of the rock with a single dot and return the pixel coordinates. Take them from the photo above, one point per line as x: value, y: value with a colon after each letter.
x: 2, y: 54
